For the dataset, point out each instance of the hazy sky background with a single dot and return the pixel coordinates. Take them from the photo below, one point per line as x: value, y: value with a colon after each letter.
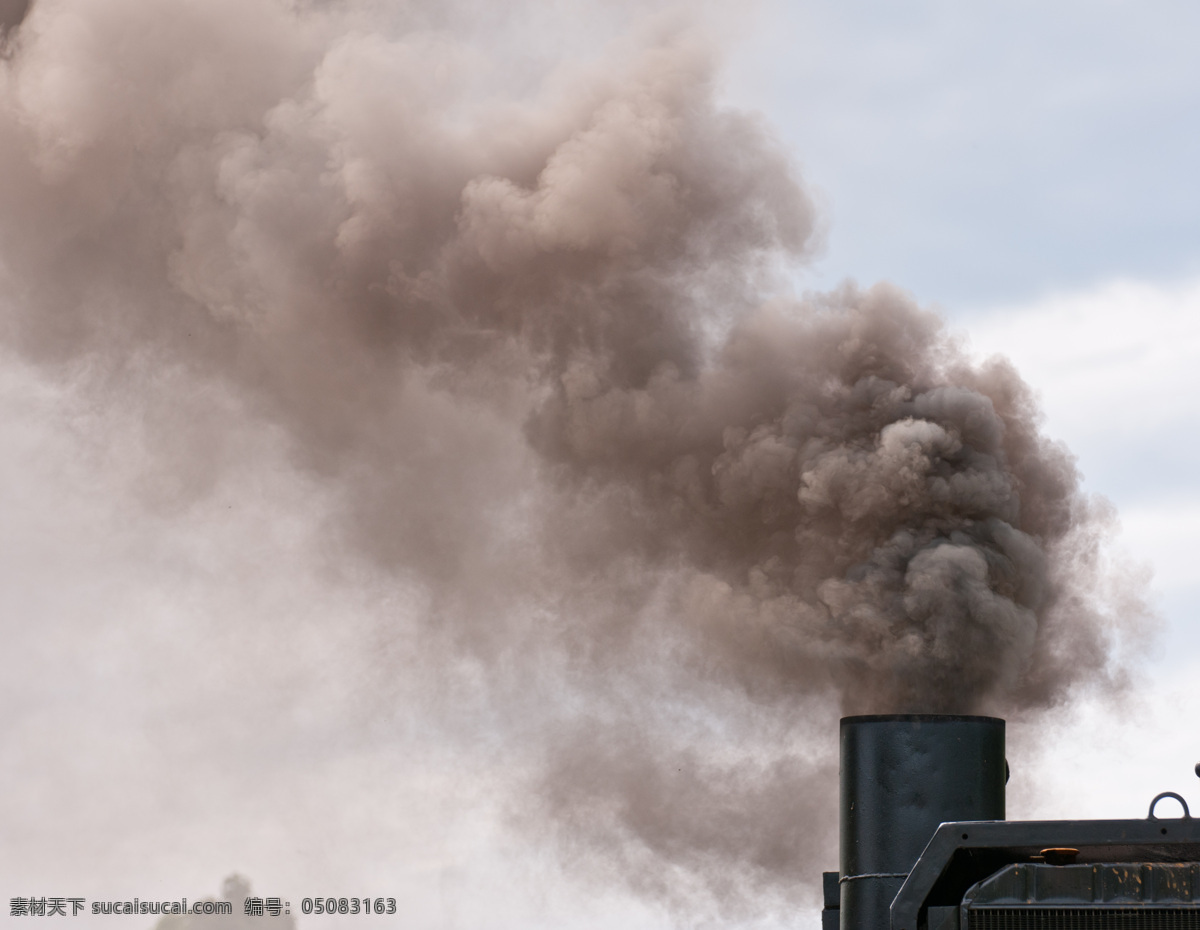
x: 1027, y: 169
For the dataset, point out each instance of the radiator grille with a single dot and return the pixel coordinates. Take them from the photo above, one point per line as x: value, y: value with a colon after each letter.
x: 1083, y: 918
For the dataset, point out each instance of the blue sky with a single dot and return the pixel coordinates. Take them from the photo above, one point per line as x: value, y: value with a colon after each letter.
x: 988, y: 153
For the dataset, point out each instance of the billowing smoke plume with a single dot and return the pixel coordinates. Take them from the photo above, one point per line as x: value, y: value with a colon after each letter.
x: 518, y: 319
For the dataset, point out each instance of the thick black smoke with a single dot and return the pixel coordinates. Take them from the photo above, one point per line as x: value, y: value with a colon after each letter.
x: 521, y: 323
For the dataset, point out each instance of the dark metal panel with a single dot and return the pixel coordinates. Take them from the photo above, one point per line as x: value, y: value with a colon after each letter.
x: 961, y: 854
x: 829, y: 884
x: 1121, y: 884
x: 1069, y: 918
x: 866, y: 901
x: 943, y: 918
x: 1101, y: 884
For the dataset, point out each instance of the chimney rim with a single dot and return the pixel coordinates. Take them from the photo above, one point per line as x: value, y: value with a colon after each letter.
x: 918, y: 718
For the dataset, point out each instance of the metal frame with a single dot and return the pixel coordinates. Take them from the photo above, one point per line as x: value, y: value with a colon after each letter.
x: 961, y: 854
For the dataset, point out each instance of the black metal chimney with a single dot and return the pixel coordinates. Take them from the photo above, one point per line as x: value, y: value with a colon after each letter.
x: 901, y: 776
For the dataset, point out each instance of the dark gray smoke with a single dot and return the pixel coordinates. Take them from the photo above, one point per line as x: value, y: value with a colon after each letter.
x: 12, y: 12
x: 517, y: 315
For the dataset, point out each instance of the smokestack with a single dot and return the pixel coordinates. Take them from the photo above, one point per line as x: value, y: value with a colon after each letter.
x: 901, y: 776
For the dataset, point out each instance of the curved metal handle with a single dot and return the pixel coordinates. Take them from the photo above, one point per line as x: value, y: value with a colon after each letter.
x: 1169, y: 794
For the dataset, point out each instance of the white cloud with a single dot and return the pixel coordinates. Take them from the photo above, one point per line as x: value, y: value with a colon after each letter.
x: 1168, y: 535
x: 1115, y: 365
x: 1107, y: 760
x: 1117, y: 368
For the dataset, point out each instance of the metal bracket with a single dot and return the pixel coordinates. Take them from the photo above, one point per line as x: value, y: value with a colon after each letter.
x: 1169, y: 794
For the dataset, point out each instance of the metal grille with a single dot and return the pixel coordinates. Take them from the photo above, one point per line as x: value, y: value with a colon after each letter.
x: 1083, y: 918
